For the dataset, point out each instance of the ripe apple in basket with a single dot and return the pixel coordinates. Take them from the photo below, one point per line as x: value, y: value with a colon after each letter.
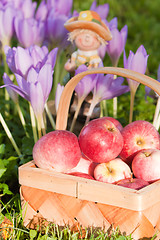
x: 116, y: 122
x: 138, y: 135
x: 134, y: 183
x: 57, y: 150
x: 83, y: 175
x: 85, y: 166
x: 146, y: 165
x: 112, y: 171
x: 100, y: 140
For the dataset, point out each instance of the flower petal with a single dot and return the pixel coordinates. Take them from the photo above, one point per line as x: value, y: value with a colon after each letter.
x: 37, y: 99
x: 46, y: 79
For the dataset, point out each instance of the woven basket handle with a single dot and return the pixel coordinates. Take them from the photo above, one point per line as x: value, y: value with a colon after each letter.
x: 63, y: 108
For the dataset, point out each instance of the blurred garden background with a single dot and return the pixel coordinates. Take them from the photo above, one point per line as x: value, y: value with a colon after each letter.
x: 143, y: 21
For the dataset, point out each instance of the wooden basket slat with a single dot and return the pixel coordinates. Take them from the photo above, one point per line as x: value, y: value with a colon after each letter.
x: 53, y: 211
x: 90, y: 215
x: 48, y: 180
x: 90, y: 190
x: 153, y: 213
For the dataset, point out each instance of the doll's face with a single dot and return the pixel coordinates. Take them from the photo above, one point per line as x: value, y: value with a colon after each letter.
x: 87, y: 41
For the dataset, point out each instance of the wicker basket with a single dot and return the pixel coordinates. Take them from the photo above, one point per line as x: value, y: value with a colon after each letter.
x: 65, y: 199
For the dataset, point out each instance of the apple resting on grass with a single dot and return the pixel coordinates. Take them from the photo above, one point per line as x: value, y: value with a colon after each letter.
x: 146, y: 165
x: 57, y: 150
x: 84, y: 166
x: 100, y: 140
x: 112, y: 171
x: 138, y: 135
x: 134, y: 183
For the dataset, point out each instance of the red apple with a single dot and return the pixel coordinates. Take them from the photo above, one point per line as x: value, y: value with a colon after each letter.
x: 100, y: 140
x: 84, y: 166
x: 83, y: 175
x: 112, y: 171
x: 138, y: 135
x: 57, y: 150
x: 116, y: 122
x: 146, y: 165
x: 134, y: 183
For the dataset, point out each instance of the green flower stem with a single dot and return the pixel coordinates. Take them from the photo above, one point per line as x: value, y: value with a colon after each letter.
x: 56, y: 74
x: 41, y: 126
x: 9, y: 135
x: 115, y: 104
x: 156, y: 112
x: 6, y: 70
x: 103, y: 106
x: 92, y: 106
x: 132, y: 98
x: 80, y: 101
x: 43, y: 129
x: 21, y: 118
x: 39, y: 129
x: 157, y: 124
x: 50, y: 116
x: 33, y: 122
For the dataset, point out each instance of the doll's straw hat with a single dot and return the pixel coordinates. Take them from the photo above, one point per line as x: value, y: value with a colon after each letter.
x: 89, y: 20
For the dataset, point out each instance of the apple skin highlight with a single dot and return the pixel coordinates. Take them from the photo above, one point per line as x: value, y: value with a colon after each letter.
x: 112, y: 171
x: 100, y: 140
x: 146, y: 165
x: 133, y: 183
x: 138, y: 135
x: 58, y: 150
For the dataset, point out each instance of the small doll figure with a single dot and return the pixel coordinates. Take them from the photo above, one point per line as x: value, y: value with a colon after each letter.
x: 89, y: 33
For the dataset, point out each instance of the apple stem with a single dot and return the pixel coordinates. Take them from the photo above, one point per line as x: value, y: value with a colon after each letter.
x: 80, y: 101
x: 132, y: 97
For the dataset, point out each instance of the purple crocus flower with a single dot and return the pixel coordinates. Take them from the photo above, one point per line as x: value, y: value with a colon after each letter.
x: 60, y: 6
x: 86, y: 84
x: 42, y: 11
x: 148, y: 91
x: 116, y: 45
x: 55, y: 30
x: 136, y: 62
x: 29, y: 31
x: 34, y: 56
x: 102, y: 10
x: 12, y: 93
x: 106, y: 87
x: 7, y: 16
x: 35, y: 88
x: 82, y: 89
x: 27, y: 7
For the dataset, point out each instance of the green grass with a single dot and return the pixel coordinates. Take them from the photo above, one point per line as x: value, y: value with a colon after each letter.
x: 51, y: 231
x: 143, y: 20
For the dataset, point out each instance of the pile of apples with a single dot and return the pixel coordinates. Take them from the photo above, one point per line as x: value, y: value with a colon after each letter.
x: 104, y: 151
